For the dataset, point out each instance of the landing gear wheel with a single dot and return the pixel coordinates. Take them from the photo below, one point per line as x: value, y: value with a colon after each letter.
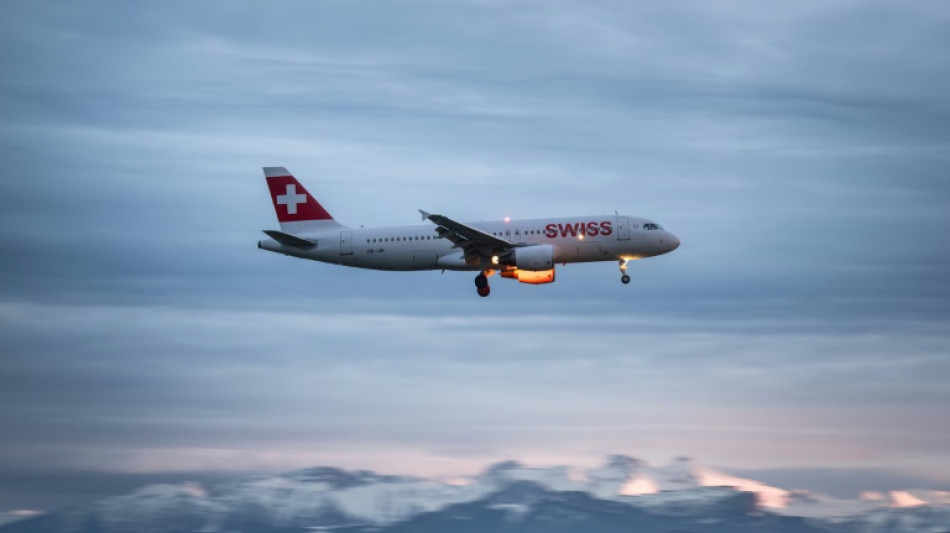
x: 481, y: 283
x: 624, y: 278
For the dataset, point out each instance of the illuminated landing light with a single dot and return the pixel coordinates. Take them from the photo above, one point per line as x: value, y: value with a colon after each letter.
x: 494, y: 259
x: 507, y: 220
x: 580, y: 237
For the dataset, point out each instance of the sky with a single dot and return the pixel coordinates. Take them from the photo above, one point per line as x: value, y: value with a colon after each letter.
x: 798, y: 150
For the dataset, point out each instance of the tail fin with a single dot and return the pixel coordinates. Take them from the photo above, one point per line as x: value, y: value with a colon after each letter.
x: 297, y: 210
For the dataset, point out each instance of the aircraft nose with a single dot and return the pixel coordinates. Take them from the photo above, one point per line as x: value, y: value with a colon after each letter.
x: 674, y: 242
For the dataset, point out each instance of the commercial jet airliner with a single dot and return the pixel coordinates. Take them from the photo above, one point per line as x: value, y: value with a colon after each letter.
x: 525, y: 250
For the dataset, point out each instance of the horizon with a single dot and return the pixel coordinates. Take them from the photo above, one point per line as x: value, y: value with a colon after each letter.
x: 78, y: 488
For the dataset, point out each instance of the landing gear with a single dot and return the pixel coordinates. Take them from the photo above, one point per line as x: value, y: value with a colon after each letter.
x: 481, y: 284
x: 624, y: 278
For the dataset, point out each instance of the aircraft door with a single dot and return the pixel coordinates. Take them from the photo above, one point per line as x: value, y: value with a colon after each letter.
x: 424, y: 258
x: 623, y: 229
x: 346, y: 242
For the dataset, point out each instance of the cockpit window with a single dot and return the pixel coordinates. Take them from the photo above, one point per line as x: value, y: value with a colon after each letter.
x: 650, y: 225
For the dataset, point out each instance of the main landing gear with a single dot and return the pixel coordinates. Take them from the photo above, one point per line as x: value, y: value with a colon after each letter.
x: 624, y: 278
x: 481, y: 285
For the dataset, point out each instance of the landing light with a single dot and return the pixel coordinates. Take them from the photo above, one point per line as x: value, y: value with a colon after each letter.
x: 507, y: 220
x: 580, y: 237
x: 494, y: 259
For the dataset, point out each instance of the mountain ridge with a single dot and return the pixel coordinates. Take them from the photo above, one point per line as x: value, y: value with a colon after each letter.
x: 681, y: 495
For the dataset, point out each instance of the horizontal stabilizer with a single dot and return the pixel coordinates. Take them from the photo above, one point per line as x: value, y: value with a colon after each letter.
x: 289, y: 240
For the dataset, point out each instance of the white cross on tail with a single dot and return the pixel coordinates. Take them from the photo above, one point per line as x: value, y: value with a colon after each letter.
x: 291, y: 199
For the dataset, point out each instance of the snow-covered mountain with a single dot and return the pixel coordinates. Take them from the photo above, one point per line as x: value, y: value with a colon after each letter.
x: 680, y: 496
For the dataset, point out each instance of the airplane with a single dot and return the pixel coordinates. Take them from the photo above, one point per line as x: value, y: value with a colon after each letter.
x: 524, y: 250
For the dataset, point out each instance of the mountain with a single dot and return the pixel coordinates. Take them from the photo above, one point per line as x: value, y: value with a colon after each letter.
x: 526, y: 507
x: 623, y: 494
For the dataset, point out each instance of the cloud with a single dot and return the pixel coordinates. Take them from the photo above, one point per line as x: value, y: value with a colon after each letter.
x: 145, y: 383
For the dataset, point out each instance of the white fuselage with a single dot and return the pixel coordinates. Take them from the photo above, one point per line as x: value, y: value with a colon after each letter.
x: 418, y: 247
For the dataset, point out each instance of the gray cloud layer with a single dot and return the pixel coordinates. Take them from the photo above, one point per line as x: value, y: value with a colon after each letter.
x: 799, y: 151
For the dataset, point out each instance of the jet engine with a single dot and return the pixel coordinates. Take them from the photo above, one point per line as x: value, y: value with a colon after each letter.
x: 539, y: 257
x: 534, y: 277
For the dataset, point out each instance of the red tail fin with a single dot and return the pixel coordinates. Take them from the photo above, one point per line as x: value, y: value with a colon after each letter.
x: 297, y: 210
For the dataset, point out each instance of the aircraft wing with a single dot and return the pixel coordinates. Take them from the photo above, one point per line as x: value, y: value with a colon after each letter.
x: 474, y: 242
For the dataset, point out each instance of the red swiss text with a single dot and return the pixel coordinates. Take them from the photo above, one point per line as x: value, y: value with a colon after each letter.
x: 577, y: 229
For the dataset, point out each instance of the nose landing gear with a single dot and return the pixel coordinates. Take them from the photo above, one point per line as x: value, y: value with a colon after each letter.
x: 624, y: 278
x: 481, y: 285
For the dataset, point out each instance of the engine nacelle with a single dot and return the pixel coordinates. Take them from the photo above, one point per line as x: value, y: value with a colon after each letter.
x: 536, y: 277
x: 529, y: 276
x: 537, y: 258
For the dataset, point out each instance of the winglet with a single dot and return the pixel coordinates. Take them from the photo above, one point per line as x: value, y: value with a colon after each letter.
x: 425, y: 215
